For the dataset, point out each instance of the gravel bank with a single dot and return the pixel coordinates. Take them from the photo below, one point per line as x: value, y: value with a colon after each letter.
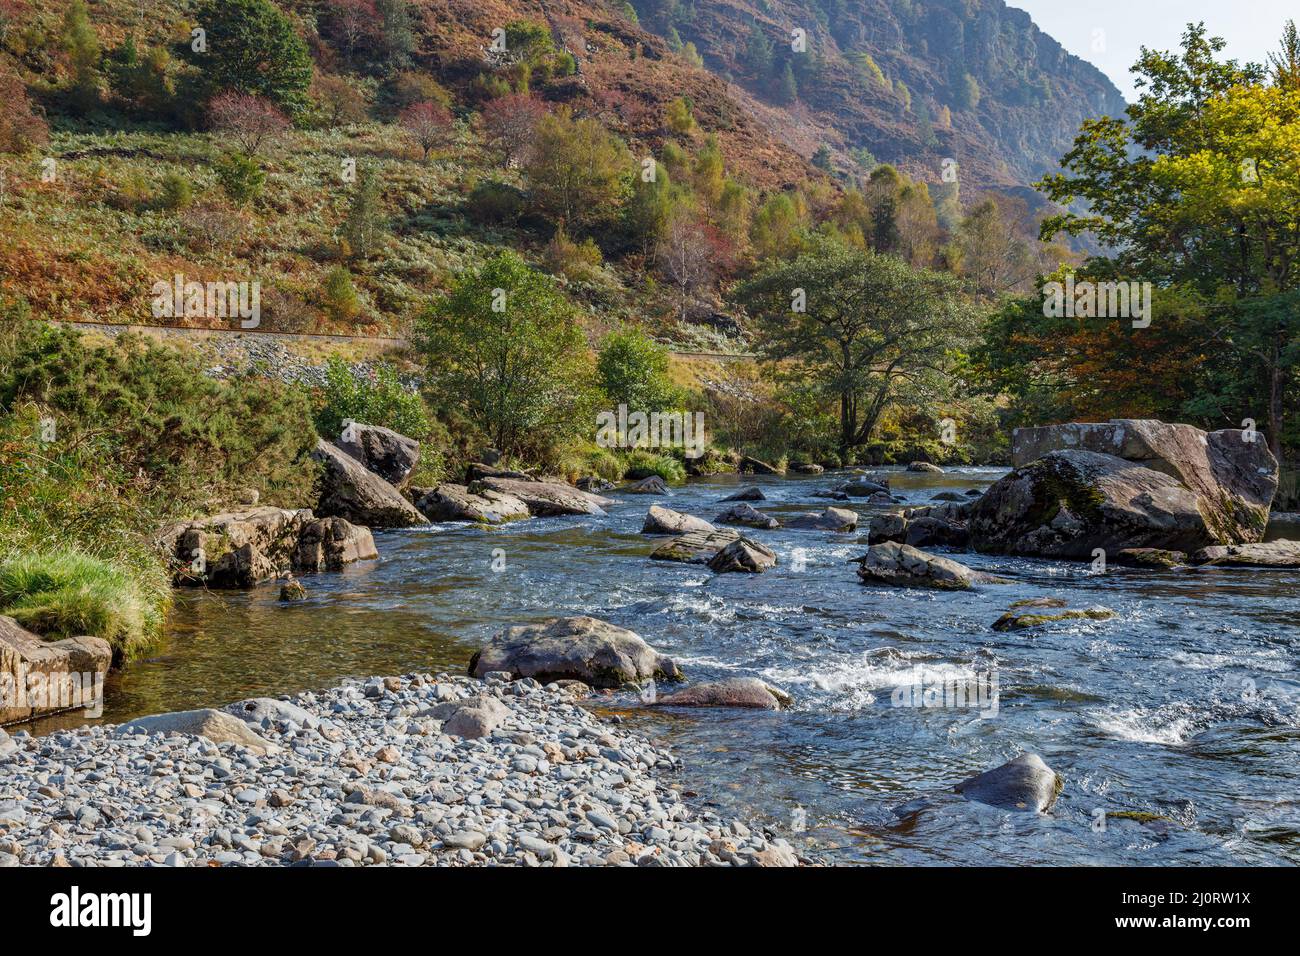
x: 364, y: 774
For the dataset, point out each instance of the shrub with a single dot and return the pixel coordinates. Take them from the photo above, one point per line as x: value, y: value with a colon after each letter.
x: 66, y: 593
x: 341, y: 300
x: 643, y: 464
x: 176, y: 194
x: 579, y: 261
x: 248, y: 120
x: 379, y: 398
x: 633, y: 371
x: 492, y: 201
x: 240, y: 176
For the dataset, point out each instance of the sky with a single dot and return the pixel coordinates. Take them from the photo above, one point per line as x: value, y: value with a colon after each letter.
x: 1110, y: 33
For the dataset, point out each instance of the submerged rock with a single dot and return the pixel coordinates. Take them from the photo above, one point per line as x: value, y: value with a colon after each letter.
x: 905, y: 566
x: 1025, y: 784
x: 840, y: 520
x: 1023, y: 620
x: 581, y: 648
x: 695, y: 547
x: 457, y: 503
x: 660, y: 520
x: 292, y: 590
x: 862, y: 488
x: 743, y: 555
x: 350, y: 490
x: 215, y: 725
x: 389, y: 455
x: 747, y: 515
x: 1271, y: 554
x: 925, y: 466
x: 734, y: 692
x: 545, y: 498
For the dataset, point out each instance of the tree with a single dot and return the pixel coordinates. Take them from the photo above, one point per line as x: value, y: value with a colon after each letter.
x: 247, y: 120
x: 758, y: 52
x: 822, y: 159
x: 351, y: 24
x: 1198, y: 188
x: 252, y: 48
x: 688, y: 254
x: 633, y: 370
x: 429, y: 124
x: 504, y: 349
x: 577, y: 171
x: 994, y: 254
x: 81, y: 46
x: 678, y: 117
x: 871, y: 329
x: 397, y: 37
x: 338, y: 102
x: 510, y: 125
x: 786, y: 90
x: 1286, y: 62
x: 363, y: 229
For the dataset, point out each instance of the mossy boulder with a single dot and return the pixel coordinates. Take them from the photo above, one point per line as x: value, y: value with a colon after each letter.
x: 1021, y: 620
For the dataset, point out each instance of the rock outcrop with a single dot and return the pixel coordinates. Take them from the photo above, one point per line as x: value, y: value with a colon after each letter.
x: 545, y: 499
x: 350, y: 490
x: 457, y: 503
x: 1271, y: 554
x: 743, y: 555
x: 40, y: 677
x: 389, y: 455
x: 578, y: 648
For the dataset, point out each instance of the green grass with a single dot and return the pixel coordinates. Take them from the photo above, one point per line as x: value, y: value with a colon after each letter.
x: 66, y: 593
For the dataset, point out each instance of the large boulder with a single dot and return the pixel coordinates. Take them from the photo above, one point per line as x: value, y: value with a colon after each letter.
x: 905, y: 566
x: 733, y: 692
x: 753, y: 466
x: 1232, y: 473
x: 39, y: 677
x: 388, y: 454
x: 695, y: 547
x: 545, y: 498
x: 239, y: 549
x: 215, y: 725
x: 840, y: 520
x: 1069, y: 504
x: 573, y: 648
x: 352, y: 491
x: 745, y: 514
x: 1025, y: 784
x: 661, y: 520
x: 927, y: 532
x: 1273, y: 554
x: 457, y: 503
x: 743, y: 555
x: 329, y: 544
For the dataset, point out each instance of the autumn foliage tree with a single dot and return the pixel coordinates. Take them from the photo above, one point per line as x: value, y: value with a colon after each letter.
x: 429, y: 124
x: 510, y: 125
x: 249, y: 121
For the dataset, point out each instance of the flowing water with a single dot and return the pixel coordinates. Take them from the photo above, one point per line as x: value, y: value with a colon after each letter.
x: 1185, y: 705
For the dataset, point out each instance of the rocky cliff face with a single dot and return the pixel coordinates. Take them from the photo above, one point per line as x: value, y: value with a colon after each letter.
x: 914, y: 82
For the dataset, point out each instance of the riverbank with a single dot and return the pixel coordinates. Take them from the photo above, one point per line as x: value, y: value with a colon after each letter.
x: 372, y: 772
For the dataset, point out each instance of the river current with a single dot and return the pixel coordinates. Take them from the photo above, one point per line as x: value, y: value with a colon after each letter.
x: 1185, y: 706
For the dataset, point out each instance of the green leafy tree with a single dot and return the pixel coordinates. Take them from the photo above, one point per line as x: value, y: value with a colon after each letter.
x: 577, y: 170
x: 81, y: 46
x: 871, y: 330
x: 252, y: 48
x: 365, y: 225
x: 505, y: 350
x: 373, y: 397
x: 634, y: 371
x: 240, y: 176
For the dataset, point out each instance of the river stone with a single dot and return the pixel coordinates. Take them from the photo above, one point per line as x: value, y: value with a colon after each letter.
x: 545, y: 498
x: 457, y: 503
x: 234, y: 549
x: 949, y: 496
x: 890, y: 526
x: 862, y: 488
x: 1234, y: 480
x: 1148, y: 558
x: 733, y: 692
x: 1273, y: 554
x: 582, y: 648
x: 944, y: 511
x: 1023, y: 620
x: 905, y: 566
x: 475, y: 717
x: 743, y: 555
x: 747, y: 515
x: 1071, y: 503
x: 389, y: 455
x: 72, y: 669
x: 936, y: 532
x: 653, y: 485
x: 660, y: 520
x: 925, y: 466
x: 752, y: 493
x: 832, y: 519
x: 807, y: 468
x: 329, y: 544
x: 695, y: 547
x: 219, y: 727
x: 1025, y: 784
x: 350, y: 490
x: 256, y: 710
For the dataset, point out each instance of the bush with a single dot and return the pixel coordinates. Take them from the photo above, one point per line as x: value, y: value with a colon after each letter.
x: 240, y: 176
x: 176, y: 194
x: 67, y: 593
x: 633, y: 371
x: 341, y: 300
x: 494, y: 202
x: 643, y: 464
x: 378, y: 399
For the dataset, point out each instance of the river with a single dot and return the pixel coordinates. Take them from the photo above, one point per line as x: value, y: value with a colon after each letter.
x: 1185, y: 705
